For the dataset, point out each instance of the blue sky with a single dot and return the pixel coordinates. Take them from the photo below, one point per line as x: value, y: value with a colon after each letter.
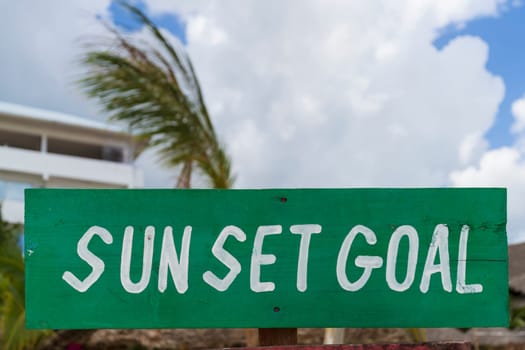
x: 505, y: 36
x: 169, y: 21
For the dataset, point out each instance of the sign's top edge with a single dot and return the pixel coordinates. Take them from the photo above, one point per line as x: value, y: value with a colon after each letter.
x: 276, y: 189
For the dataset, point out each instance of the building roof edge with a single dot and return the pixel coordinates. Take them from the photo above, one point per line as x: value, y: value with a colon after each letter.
x: 44, y: 115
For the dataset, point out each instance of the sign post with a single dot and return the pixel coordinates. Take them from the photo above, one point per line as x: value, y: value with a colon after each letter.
x: 277, y: 336
x: 266, y: 258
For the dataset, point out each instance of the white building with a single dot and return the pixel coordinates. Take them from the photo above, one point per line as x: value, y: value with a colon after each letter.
x: 41, y: 148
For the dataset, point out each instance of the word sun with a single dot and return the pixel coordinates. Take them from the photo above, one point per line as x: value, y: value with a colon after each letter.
x: 177, y: 265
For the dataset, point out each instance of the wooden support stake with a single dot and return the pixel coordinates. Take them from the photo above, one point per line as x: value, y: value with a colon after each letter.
x: 334, y: 335
x: 277, y: 336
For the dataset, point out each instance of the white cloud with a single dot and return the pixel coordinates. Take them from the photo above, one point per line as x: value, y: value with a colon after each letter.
x: 154, y: 174
x: 503, y: 167
x: 459, y: 11
x: 472, y: 148
x: 346, y: 93
x: 41, y: 42
x: 316, y: 93
x: 201, y: 29
x: 518, y: 110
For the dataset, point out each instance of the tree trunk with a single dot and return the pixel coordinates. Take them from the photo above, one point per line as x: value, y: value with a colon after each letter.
x: 184, y: 180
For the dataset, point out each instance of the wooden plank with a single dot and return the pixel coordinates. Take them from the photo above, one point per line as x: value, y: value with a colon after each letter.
x: 266, y: 258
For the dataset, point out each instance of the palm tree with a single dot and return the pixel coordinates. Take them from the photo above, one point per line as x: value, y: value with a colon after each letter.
x: 13, y: 334
x: 155, y: 91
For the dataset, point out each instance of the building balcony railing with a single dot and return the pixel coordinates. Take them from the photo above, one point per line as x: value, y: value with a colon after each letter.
x: 57, y: 170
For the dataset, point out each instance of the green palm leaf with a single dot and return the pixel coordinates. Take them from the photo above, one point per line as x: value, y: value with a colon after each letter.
x: 15, y: 335
x: 153, y: 88
x: 12, y: 290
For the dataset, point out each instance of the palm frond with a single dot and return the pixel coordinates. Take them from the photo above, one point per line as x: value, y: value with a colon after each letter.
x: 12, y: 290
x: 154, y: 89
x: 15, y: 335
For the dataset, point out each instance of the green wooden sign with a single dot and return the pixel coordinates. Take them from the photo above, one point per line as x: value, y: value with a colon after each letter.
x: 266, y: 258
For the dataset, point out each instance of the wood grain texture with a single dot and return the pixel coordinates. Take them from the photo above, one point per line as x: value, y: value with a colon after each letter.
x: 277, y: 336
x: 57, y: 219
